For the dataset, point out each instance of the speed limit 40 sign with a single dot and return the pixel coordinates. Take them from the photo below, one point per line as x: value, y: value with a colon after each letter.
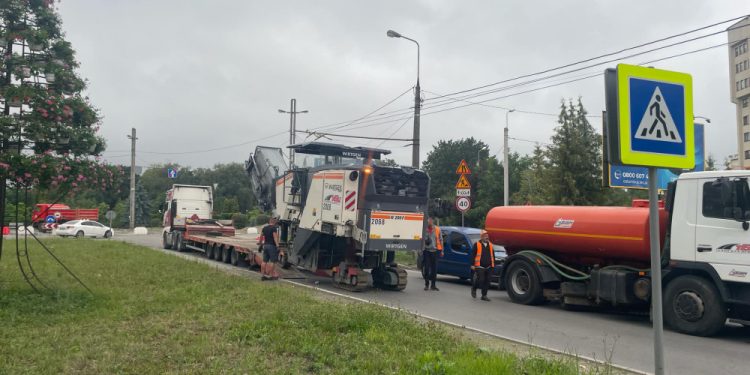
x: 463, y: 204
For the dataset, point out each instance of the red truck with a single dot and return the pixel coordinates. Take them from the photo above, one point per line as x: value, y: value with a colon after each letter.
x: 60, y: 213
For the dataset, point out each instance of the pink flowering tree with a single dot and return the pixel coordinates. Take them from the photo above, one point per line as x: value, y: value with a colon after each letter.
x: 48, y: 130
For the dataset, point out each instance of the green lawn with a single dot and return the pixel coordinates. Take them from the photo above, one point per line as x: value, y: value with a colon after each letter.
x: 155, y: 313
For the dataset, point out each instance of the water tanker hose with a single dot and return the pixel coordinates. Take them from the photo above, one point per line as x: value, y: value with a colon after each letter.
x: 615, y: 267
x: 555, y: 265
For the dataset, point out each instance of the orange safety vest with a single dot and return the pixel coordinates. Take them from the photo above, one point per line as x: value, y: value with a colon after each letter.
x: 478, y: 257
x: 438, y: 238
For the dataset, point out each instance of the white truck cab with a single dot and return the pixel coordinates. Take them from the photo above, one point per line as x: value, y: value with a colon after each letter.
x: 710, y: 222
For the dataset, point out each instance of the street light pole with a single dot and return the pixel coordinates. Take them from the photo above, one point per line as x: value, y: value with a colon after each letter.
x: 292, y: 127
x: 505, y: 159
x: 132, y: 178
x: 417, y: 104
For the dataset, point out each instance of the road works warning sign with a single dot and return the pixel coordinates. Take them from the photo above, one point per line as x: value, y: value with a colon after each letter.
x: 651, y: 121
x: 463, y: 183
x: 463, y: 168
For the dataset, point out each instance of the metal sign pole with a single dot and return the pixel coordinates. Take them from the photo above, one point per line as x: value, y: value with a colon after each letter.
x: 656, y: 300
x: 462, y: 218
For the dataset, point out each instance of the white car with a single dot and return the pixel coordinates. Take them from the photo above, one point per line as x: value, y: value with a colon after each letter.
x: 81, y: 228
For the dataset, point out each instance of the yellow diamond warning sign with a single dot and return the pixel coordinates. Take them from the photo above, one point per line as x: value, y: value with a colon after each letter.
x: 463, y: 168
x: 463, y: 183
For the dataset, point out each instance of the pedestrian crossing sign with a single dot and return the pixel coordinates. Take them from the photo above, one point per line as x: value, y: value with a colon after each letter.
x: 655, y: 116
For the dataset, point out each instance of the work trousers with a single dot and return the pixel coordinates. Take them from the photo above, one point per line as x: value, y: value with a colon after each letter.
x: 481, y: 280
x: 429, y: 265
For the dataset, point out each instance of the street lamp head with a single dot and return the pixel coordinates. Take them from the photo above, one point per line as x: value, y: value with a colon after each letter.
x: 393, y: 34
x: 511, y: 110
x: 305, y: 111
x: 282, y: 111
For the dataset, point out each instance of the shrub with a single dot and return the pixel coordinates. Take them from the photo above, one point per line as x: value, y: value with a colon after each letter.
x: 239, y: 220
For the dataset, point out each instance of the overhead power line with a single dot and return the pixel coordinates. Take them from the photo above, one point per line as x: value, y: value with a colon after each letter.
x: 446, y: 99
x: 603, y: 55
x: 314, y: 133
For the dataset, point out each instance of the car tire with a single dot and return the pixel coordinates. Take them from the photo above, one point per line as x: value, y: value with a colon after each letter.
x: 522, y: 284
x: 108, y: 234
x: 79, y: 234
x: 692, y: 305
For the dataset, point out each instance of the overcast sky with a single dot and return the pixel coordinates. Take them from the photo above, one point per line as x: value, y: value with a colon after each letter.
x: 202, y: 81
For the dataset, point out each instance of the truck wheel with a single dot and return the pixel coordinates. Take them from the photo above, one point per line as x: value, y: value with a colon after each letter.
x: 692, y: 305
x: 209, y: 251
x: 227, y: 254
x: 234, y: 257
x: 165, y: 241
x: 522, y: 284
x: 179, y: 243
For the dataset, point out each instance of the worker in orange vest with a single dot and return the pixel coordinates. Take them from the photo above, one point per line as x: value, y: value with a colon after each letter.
x: 482, y: 263
x: 433, y: 248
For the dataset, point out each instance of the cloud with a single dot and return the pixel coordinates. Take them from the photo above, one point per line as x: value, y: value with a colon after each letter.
x: 192, y: 76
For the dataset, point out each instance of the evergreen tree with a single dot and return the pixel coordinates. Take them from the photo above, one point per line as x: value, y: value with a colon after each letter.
x: 533, y: 187
x: 575, y: 158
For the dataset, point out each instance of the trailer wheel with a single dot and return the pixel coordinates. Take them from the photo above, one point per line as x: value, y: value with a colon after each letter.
x: 234, y: 257
x: 165, y: 241
x: 692, y: 305
x: 209, y: 251
x: 226, y: 255
x: 522, y: 284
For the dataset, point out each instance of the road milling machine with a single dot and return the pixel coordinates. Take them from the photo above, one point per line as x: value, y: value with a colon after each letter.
x: 343, y: 211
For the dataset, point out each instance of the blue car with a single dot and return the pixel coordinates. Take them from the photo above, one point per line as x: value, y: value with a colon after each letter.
x: 457, y: 243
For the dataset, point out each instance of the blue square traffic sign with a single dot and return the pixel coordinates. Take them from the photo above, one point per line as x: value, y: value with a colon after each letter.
x: 654, y: 122
x: 659, y: 105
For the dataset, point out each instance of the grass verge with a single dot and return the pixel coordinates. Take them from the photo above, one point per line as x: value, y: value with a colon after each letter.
x: 154, y: 313
x: 406, y: 258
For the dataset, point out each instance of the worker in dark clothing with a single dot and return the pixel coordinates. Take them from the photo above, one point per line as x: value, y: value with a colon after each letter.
x: 433, y: 248
x: 482, y: 264
x: 270, y: 236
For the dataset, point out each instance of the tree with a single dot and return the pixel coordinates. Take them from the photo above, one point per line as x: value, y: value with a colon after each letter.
x: 575, y: 158
x: 444, y: 158
x: 48, y: 130
x: 533, y: 187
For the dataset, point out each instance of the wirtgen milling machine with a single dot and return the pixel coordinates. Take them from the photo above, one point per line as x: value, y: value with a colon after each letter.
x: 347, y: 213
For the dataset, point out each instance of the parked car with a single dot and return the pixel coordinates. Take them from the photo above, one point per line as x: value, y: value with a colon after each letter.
x: 457, y: 244
x: 81, y: 228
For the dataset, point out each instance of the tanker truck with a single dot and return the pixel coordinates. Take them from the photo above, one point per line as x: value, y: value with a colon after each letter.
x: 600, y: 256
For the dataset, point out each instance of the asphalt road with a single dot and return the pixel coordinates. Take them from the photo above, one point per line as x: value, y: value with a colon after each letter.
x: 624, y: 339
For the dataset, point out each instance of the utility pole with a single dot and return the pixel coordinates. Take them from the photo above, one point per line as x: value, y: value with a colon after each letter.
x: 132, y: 178
x: 505, y: 160
x: 415, y: 135
x: 292, y: 127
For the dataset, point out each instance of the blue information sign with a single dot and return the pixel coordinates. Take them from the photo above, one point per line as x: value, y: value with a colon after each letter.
x: 171, y: 173
x: 49, y: 219
x: 637, y: 177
